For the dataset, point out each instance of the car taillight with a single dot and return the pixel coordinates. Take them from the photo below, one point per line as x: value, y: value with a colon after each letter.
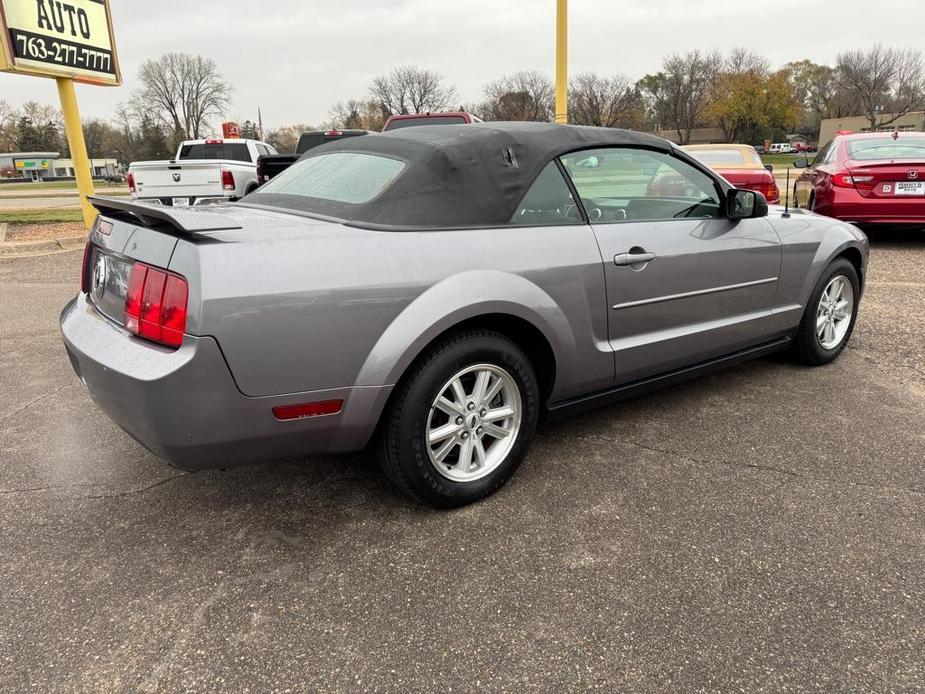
x: 771, y: 191
x: 846, y: 180
x: 85, y: 269
x: 227, y: 180
x: 131, y: 183
x: 156, y: 304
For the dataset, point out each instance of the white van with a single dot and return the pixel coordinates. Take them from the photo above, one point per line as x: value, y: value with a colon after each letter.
x: 781, y: 148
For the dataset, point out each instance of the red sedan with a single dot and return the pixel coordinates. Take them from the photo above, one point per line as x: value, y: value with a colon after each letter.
x: 740, y: 165
x: 867, y: 178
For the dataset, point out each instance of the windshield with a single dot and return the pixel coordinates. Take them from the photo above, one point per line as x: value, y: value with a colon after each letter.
x: 887, y: 148
x: 353, y: 178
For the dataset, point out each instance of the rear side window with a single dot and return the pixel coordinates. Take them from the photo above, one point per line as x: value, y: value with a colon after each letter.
x: 346, y: 177
x: 549, y: 201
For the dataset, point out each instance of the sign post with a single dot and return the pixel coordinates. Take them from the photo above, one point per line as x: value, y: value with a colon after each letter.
x: 71, y: 41
x: 561, y: 61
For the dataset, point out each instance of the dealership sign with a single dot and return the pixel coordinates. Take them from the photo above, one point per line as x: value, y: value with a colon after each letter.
x: 53, y: 38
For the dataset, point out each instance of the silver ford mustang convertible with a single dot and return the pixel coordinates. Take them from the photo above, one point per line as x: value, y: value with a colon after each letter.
x: 437, y: 291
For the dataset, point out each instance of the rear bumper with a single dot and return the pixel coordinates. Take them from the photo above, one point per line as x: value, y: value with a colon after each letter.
x: 850, y: 206
x: 184, y: 406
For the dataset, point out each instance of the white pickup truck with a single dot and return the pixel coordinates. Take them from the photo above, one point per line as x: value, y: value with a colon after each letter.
x: 204, y: 171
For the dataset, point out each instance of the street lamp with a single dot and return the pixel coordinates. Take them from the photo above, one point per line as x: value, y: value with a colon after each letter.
x: 561, y: 61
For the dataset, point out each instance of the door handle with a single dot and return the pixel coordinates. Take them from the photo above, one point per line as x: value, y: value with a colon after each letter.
x: 634, y: 257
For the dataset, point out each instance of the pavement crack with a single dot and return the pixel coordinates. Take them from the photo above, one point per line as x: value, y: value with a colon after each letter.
x: 753, y: 466
x: 36, y: 401
x: 113, y: 495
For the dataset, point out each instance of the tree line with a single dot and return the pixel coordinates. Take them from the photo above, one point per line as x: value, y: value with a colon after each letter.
x: 182, y: 96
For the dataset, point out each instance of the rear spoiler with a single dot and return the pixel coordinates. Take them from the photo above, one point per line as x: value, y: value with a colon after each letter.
x: 187, y: 221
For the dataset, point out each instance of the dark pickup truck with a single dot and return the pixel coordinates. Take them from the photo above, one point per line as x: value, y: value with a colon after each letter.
x: 269, y: 165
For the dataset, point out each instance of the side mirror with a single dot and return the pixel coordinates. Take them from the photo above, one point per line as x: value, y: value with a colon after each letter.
x: 800, y: 163
x: 769, y: 168
x: 745, y: 204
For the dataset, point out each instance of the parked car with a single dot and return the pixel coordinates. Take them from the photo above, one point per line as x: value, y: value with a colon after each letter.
x: 269, y: 165
x: 409, y: 120
x: 780, y: 148
x: 867, y: 178
x: 203, y: 171
x: 741, y: 166
x: 761, y: 149
x: 350, y: 299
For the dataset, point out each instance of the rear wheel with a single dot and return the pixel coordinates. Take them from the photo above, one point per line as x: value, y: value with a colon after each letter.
x: 461, y: 421
x: 830, y: 315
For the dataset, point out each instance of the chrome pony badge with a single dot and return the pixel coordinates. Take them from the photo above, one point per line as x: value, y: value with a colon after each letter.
x: 98, y: 285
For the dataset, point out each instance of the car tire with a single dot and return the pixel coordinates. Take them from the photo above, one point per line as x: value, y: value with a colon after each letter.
x: 409, y: 449
x: 821, y: 337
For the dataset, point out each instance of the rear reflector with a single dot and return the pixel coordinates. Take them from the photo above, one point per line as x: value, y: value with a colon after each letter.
x: 308, y: 409
x: 155, y: 305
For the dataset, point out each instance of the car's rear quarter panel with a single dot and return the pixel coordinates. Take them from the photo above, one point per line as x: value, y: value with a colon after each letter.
x: 299, y: 305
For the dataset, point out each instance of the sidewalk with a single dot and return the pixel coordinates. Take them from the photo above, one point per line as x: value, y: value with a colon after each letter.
x: 18, y: 240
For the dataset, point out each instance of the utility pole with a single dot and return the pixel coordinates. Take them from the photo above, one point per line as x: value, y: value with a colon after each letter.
x: 561, y: 61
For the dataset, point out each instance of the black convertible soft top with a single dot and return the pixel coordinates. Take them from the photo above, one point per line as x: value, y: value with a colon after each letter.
x: 456, y: 175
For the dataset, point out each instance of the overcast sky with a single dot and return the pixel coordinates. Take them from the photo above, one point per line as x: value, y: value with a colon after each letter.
x: 295, y: 58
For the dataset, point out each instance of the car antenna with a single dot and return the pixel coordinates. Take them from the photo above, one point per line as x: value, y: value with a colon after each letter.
x: 786, y: 214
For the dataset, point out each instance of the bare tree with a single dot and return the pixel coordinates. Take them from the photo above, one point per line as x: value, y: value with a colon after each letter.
x: 525, y: 95
x: 411, y: 89
x: 887, y: 83
x: 285, y: 138
x: 183, y: 92
x: 608, y: 102
x: 353, y: 113
x: 9, y: 134
x: 680, y: 93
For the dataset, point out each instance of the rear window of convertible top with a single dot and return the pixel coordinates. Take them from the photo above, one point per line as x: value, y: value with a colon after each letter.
x: 353, y: 178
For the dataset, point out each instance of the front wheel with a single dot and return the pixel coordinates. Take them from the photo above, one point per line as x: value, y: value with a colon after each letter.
x: 461, y: 421
x: 830, y: 315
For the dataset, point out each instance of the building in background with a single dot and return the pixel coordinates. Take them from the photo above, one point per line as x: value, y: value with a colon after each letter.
x: 48, y: 166
x: 911, y: 122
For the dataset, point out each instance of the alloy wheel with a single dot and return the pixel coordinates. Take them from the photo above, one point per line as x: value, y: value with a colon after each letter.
x: 835, y: 311
x: 473, y: 422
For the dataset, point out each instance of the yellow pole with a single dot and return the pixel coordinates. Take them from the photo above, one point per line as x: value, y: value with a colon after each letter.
x: 562, y: 61
x: 75, y: 140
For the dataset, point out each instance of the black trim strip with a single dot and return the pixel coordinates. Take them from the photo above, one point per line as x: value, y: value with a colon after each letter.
x: 582, y: 403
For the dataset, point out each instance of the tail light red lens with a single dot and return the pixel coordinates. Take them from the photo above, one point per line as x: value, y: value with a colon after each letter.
x: 131, y: 183
x: 227, y: 180
x: 156, y: 305
x: 846, y: 180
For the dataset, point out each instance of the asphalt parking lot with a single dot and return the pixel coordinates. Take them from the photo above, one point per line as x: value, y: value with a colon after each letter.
x: 762, y: 529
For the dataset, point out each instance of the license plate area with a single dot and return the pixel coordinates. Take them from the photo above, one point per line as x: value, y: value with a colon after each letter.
x: 180, y: 202
x: 909, y: 188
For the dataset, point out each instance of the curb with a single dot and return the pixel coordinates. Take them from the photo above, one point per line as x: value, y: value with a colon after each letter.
x: 43, y: 247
